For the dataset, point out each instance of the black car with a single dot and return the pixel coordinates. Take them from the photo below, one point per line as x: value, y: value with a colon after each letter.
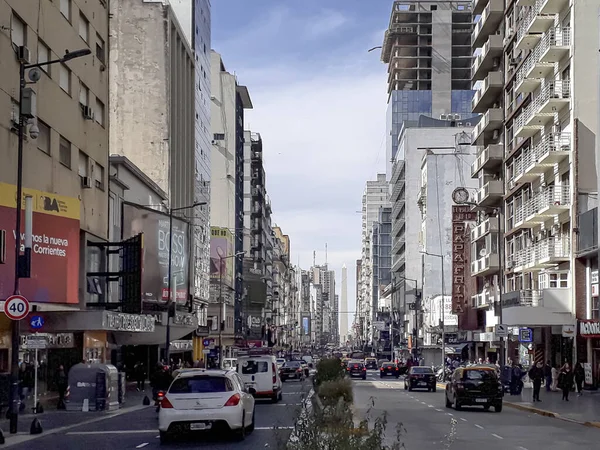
x: 371, y: 363
x: 389, y: 369
x: 291, y: 369
x: 419, y: 377
x: 357, y: 369
x: 475, y: 386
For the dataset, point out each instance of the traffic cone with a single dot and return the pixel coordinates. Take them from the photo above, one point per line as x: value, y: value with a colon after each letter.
x: 146, y: 401
x: 36, y: 427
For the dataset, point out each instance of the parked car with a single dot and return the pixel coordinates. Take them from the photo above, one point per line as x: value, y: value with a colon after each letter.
x: 203, y: 400
x: 475, y: 386
x: 420, y: 377
x: 260, y: 376
x: 280, y: 362
x: 292, y: 369
x: 357, y: 369
x: 389, y: 369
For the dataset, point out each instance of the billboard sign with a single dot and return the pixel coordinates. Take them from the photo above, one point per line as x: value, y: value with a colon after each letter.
x: 460, y: 247
x: 155, y: 227
x: 221, y: 255
x: 306, y: 325
x: 55, y: 248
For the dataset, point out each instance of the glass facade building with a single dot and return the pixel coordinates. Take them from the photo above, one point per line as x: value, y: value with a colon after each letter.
x: 381, y: 253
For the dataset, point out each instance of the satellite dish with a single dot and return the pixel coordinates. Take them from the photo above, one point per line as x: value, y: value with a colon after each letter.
x: 482, y: 252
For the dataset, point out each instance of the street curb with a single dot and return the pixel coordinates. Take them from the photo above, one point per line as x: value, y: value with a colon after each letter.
x: 592, y: 424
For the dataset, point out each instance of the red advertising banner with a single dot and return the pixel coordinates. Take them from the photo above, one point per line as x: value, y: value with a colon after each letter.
x: 460, y: 247
x: 55, y: 249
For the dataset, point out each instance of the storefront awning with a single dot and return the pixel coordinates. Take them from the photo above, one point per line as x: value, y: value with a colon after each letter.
x: 455, y: 349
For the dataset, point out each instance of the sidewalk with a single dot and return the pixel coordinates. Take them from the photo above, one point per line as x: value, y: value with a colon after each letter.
x: 53, y: 419
x: 584, y: 409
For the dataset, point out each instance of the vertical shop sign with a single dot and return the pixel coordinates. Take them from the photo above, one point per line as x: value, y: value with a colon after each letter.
x: 460, y: 215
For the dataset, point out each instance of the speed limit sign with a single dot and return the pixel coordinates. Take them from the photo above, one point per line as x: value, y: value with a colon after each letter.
x: 16, y: 307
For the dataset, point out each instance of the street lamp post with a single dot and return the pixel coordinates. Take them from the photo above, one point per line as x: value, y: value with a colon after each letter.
x: 170, y: 306
x: 443, y: 304
x: 222, y: 303
x: 21, y: 269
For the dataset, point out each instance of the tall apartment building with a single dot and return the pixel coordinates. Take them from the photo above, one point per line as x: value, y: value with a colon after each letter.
x: 538, y: 95
x: 323, y: 288
x: 257, y: 298
x: 282, y: 285
x: 427, y: 48
x: 344, y: 311
x: 375, y: 196
x: 381, y: 254
x: 306, y: 309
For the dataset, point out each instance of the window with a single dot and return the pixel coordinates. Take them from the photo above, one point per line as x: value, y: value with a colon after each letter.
x: 554, y: 280
x: 99, y: 176
x: 64, y: 155
x: 43, y: 56
x: 43, y: 139
x: 84, y: 28
x: 82, y: 167
x: 200, y: 385
x: 99, y: 112
x: 251, y: 367
x: 65, y: 79
x: 84, y: 94
x: 18, y: 31
x: 99, y: 48
x: 65, y: 9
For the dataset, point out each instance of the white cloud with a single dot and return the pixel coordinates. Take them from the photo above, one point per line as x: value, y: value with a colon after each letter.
x: 326, y: 23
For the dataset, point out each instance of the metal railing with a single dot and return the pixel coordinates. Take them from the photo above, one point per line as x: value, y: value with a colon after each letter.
x: 555, y: 247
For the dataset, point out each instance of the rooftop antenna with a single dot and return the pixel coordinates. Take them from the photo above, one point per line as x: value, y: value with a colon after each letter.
x: 325, y: 253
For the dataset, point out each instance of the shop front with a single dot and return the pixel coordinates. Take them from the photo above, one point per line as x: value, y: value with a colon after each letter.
x: 589, y: 331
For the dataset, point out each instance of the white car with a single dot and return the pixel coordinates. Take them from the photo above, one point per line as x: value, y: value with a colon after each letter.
x: 280, y: 363
x: 204, y: 399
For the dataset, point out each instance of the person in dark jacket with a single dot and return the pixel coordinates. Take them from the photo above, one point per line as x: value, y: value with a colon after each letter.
x: 548, y: 375
x: 140, y: 375
x: 536, y: 375
x: 579, y: 375
x: 62, y: 383
x: 565, y: 381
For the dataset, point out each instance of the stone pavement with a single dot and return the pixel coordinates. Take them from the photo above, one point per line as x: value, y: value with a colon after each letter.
x: 52, y: 419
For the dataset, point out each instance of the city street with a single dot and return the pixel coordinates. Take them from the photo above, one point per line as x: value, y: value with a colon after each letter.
x: 138, y: 429
x: 428, y: 423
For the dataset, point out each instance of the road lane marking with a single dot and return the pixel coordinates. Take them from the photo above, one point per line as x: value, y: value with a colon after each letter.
x: 142, y: 445
x: 479, y: 426
x: 430, y: 406
x: 521, y: 448
x: 496, y: 436
x: 274, y: 428
x: 84, y: 433
x: 449, y: 414
x: 464, y: 420
x: 439, y: 410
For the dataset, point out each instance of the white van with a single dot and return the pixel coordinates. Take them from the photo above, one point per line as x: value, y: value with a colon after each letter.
x: 229, y: 363
x: 260, y: 376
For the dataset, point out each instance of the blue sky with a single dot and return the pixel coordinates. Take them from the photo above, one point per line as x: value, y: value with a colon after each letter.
x: 319, y: 103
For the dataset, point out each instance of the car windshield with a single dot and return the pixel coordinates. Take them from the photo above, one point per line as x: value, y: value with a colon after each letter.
x: 480, y: 375
x: 228, y: 364
x: 292, y: 364
x: 250, y: 367
x: 198, y: 385
x: 421, y: 370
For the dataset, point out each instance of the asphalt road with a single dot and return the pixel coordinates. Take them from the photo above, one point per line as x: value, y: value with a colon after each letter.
x: 138, y: 429
x: 429, y: 424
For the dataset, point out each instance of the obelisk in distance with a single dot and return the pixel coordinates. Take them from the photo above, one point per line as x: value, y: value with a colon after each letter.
x: 344, y: 307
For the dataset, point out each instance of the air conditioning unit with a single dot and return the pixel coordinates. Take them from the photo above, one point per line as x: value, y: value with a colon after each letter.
x: 88, y: 112
x: 23, y: 54
x: 86, y: 182
x: 456, y: 116
x: 443, y: 117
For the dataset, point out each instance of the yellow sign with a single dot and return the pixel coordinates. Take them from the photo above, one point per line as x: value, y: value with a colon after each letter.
x: 43, y: 202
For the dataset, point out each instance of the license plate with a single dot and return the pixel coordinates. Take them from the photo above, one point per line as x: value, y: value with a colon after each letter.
x: 481, y: 400
x: 422, y: 383
x: 199, y: 426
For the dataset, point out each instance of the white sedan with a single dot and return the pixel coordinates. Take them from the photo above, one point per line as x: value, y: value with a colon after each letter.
x: 202, y: 400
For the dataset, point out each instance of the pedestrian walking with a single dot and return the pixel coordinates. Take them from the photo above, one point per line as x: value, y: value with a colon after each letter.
x: 548, y: 376
x: 536, y: 375
x: 565, y: 381
x: 62, y: 383
x: 140, y: 375
x: 579, y: 375
x: 555, y: 374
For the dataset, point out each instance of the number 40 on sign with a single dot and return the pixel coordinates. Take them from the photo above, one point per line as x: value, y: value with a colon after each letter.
x: 16, y: 307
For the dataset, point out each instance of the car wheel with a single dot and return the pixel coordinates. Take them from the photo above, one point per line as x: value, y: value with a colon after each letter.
x: 275, y: 397
x: 448, y: 403
x: 250, y: 428
x: 486, y: 408
x: 279, y: 397
x: 498, y: 407
x: 405, y: 387
x: 457, y: 405
x: 428, y: 389
x: 433, y: 389
x: 165, y: 438
x: 241, y: 433
x: 410, y: 389
x: 364, y: 377
x: 380, y: 376
x: 283, y: 380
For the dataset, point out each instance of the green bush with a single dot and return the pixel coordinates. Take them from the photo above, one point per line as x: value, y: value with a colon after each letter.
x: 328, y: 370
x: 331, y: 391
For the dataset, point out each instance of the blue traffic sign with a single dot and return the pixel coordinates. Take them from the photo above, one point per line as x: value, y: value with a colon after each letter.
x: 36, y: 322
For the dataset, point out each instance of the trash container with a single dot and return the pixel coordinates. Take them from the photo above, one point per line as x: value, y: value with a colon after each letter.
x: 96, y: 383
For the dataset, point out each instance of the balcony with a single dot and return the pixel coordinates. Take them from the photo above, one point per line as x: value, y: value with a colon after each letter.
x: 398, y: 171
x: 398, y: 245
x: 488, y: 23
x: 544, y: 307
x: 553, y: 98
x: 488, y: 93
x: 527, y: 80
x: 491, y: 121
x: 490, y: 193
x: 553, y: 6
x: 488, y: 59
x: 552, y: 149
x: 397, y: 189
x: 542, y: 254
x: 422, y: 195
x: 478, y: 6
x: 552, y: 201
x: 397, y: 208
x: 555, y: 45
x: 486, y: 265
x: 527, y: 124
x: 397, y: 226
x: 524, y: 3
x: 488, y: 158
x: 535, y: 21
x: 482, y: 300
x: 490, y: 225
